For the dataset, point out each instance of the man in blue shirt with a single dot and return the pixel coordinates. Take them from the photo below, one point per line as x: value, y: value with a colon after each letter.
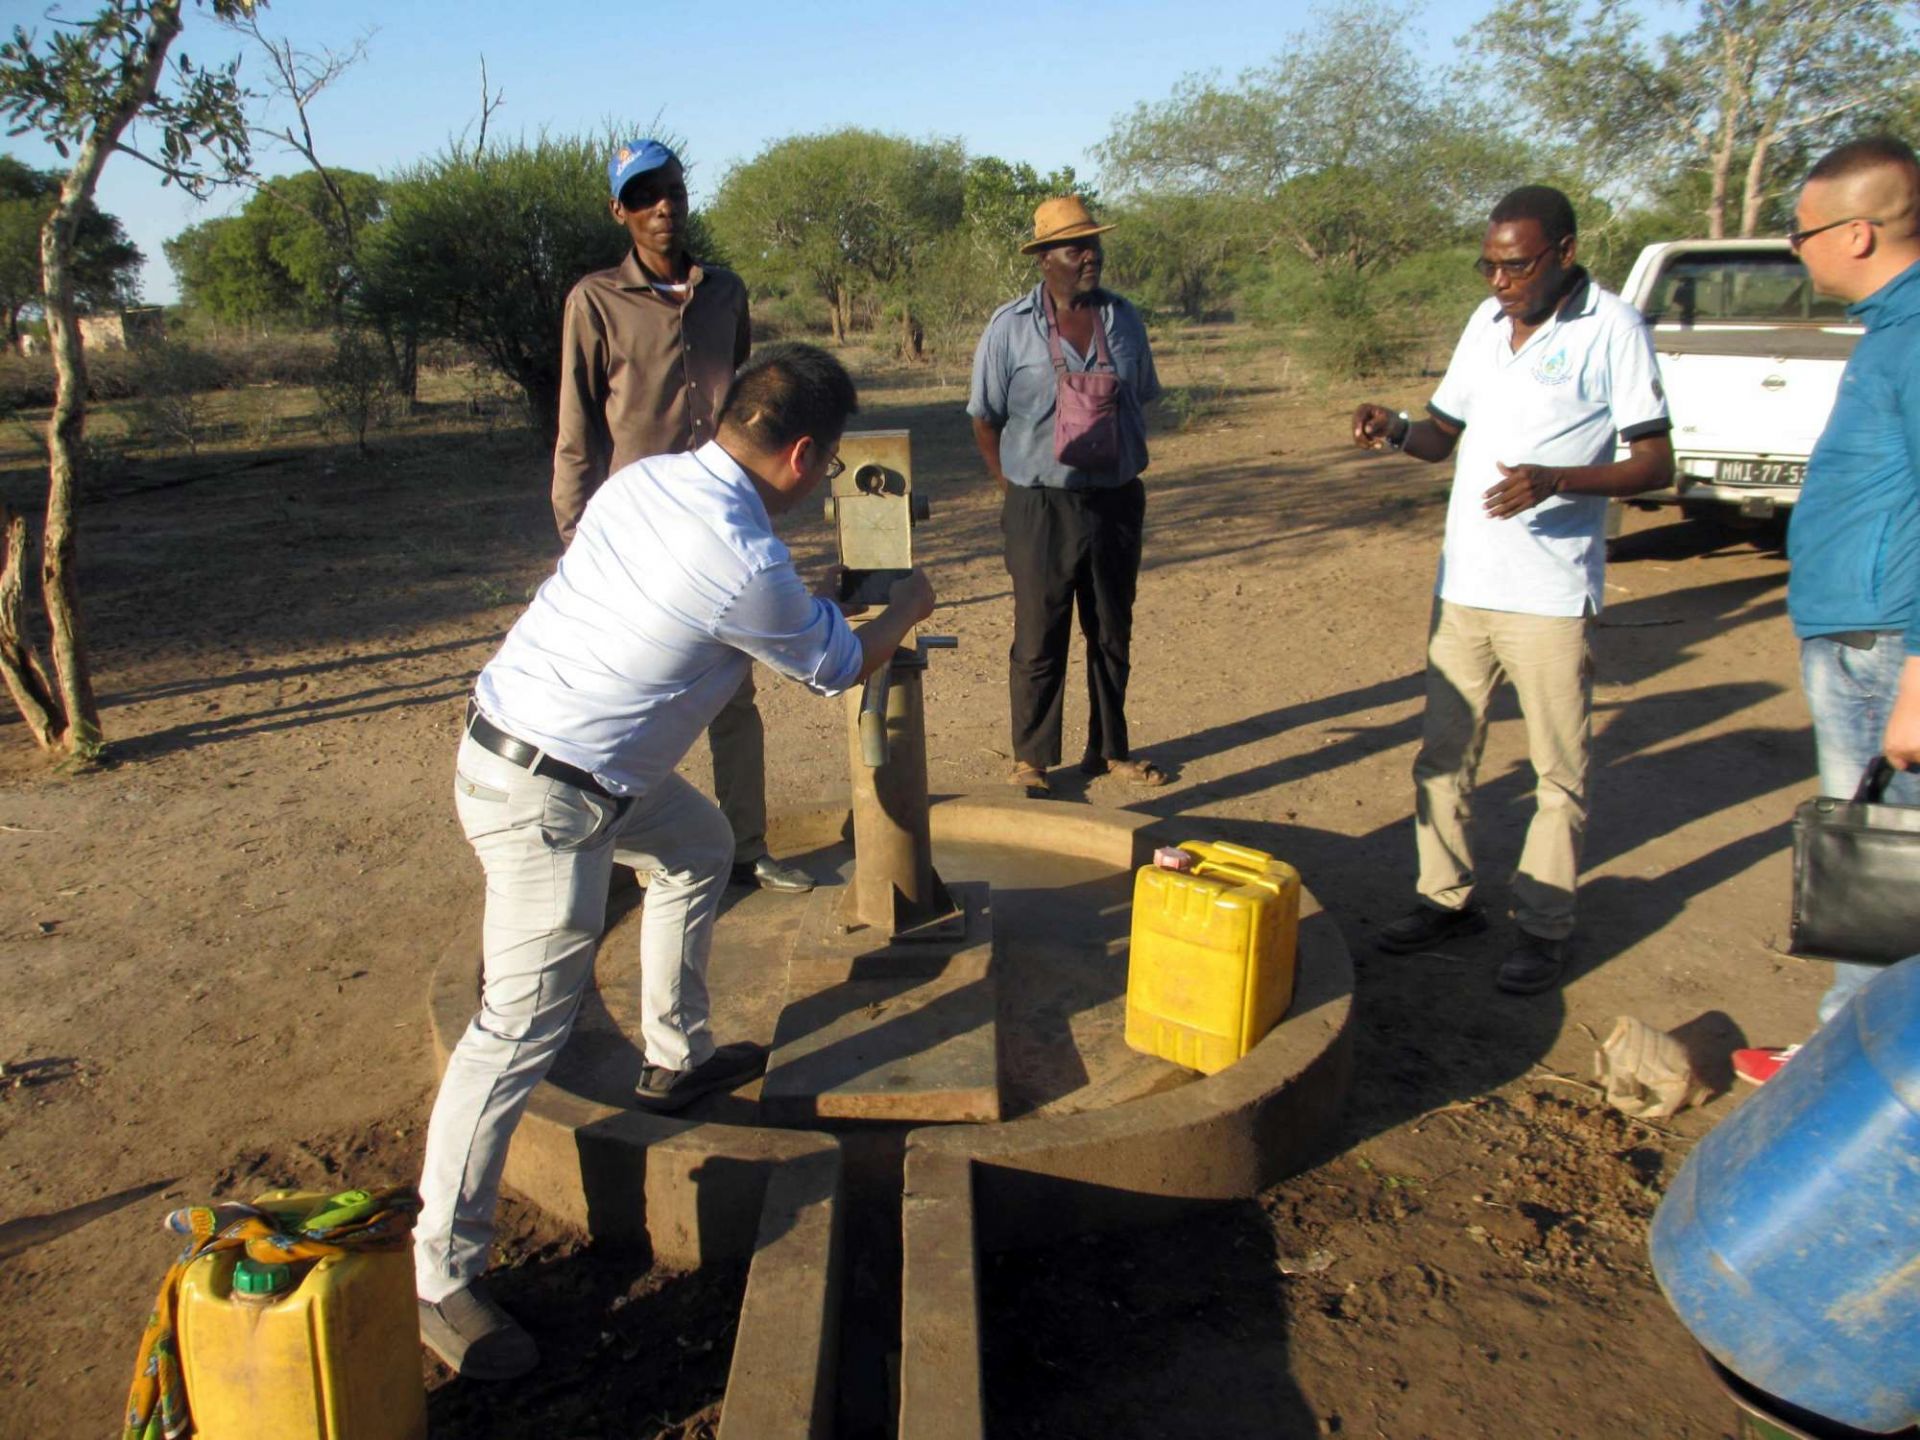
x: 1855, y: 540
x: 674, y: 584
x: 1071, y: 517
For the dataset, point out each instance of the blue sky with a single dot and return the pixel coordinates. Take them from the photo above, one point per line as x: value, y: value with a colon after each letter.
x: 1039, y: 81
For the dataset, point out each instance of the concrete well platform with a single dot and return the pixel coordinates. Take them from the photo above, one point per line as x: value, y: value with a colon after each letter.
x: 1091, y: 1135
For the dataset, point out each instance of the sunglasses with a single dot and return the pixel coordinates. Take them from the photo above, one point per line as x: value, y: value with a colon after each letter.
x: 1797, y: 238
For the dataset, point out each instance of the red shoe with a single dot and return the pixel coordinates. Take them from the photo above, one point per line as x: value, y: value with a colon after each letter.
x: 1761, y: 1065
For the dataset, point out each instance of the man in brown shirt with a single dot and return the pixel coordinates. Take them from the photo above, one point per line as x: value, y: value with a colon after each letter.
x: 647, y: 355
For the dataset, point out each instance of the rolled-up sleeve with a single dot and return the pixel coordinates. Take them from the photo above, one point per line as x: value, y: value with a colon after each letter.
x: 1146, y: 383
x: 779, y: 623
x: 582, y: 453
x: 987, y: 399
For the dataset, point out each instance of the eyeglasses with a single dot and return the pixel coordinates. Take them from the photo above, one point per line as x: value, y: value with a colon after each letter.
x: 1797, y: 238
x: 1512, y: 269
x: 836, y: 467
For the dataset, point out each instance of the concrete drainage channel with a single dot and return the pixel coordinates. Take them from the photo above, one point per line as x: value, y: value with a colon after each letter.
x: 862, y: 1315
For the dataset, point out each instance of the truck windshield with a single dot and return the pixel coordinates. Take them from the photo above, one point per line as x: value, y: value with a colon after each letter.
x: 1739, y: 287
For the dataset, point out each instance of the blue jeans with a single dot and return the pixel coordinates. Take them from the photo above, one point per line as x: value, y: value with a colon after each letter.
x: 1851, y: 694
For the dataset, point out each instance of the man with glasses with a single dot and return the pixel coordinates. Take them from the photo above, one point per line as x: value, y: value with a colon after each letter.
x: 1059, y: 381
x: 1854, y: 544
x: 647, y: 353
x: 674, y: 584
x: 1550, y: 369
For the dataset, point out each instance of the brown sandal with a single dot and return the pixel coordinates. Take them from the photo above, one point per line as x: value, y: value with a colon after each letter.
x: 1138, y: 772
x: 1032, y: 779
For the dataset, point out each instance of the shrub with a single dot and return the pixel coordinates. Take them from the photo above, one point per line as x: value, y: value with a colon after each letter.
x: 171, y: 381
x: 356, y: 389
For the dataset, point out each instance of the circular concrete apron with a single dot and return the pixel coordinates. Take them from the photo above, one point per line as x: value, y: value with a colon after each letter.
x: 1074, y: 1100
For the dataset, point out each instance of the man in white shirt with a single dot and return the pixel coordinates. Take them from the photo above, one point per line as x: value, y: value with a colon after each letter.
x: 675, y: 583
x: 1548, y: 372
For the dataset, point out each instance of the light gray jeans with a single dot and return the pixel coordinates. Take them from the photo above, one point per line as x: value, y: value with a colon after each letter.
x: 548, y: 849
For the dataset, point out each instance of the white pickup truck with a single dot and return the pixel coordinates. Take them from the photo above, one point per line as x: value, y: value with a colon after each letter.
x: 1751, y: 359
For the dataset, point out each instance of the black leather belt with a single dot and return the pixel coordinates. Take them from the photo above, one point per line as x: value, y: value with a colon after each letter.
x: 516, y: 751
x: 1858, y: 639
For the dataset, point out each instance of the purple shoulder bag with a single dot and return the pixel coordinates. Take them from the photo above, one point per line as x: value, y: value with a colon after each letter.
x: 1086, y: 409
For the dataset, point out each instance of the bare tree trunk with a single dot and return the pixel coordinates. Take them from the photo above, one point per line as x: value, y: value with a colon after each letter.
x: 1717, y: 198
x: 26, y: 679
x: 66, y: 435
x: 1751, y: 198
x: 75, y: 721
x: 836, y: 314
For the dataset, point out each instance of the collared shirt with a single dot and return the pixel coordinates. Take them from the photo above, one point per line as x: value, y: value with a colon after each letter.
x: 1584, y: 376
x: 1855, y: 539
x: 674, y: 584
x: 641, y: 373
x: 1014, y: 388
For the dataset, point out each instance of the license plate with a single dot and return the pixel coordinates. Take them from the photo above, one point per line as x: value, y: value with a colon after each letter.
x: 1759, y: 472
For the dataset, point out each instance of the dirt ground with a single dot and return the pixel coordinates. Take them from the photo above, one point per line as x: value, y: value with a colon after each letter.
x: 214, y: 949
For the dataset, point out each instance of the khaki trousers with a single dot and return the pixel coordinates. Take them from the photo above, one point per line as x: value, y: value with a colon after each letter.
x: 1547, y: 657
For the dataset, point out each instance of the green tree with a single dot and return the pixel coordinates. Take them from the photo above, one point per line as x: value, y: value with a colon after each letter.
x: 285, y: 258
x: 1346, y: 148
x: 225, y: 271
x: 1738, y: 98
x: 1179, y: 252
x: 846, y: 213
x: 106, y: 265
x: 81, y: 90
x: 969, y: 269
x: 482, y: 246
x: 1337, y: 161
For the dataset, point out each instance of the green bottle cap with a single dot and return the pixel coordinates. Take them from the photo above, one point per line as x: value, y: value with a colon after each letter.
x: 261, y: 1277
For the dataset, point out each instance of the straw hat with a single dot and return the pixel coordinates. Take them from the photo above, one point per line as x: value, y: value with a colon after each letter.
x: 1061, y: 219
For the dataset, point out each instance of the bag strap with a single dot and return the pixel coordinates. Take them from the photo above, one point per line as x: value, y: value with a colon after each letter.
x: 1053, y: 336
x: 1873, y: 785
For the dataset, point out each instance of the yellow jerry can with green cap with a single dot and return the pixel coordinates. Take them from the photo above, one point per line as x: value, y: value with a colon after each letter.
x: 325, y: 1349
x: 1210, y: 968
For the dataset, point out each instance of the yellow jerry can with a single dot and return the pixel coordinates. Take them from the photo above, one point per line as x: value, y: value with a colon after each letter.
x: 327, y: 1349
x: 1211, y: 963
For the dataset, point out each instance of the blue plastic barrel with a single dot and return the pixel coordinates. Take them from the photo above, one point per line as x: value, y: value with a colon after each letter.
x: 1789, y: 1243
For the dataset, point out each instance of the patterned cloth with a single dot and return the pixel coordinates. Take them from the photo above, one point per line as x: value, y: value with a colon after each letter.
x: 354, y: 1220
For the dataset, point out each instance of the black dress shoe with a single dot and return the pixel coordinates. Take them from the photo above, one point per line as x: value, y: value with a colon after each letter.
x: 1425, y: 926
x: 1534, y: 967
x: 769, y: 874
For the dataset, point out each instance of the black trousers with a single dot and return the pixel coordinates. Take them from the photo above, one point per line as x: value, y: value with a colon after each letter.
x: 1066, y: 547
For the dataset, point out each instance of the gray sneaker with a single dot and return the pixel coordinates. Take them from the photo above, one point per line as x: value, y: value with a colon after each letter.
x: 667, y: 1090
x: 475, y: 1337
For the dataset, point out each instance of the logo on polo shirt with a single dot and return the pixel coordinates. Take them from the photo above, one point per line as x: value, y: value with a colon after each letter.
x: 1553, y: 369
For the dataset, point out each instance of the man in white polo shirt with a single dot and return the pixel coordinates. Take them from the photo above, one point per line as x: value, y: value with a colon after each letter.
x: 674, y: 584
x: 1550, y: 369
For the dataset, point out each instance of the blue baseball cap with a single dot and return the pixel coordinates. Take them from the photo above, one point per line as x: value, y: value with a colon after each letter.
x: 636, y: 157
